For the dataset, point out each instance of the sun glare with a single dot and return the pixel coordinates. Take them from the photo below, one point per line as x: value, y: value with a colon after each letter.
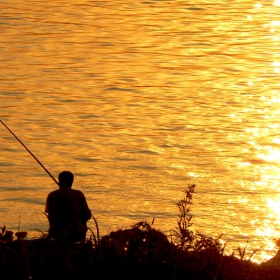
x: 272, y: 156
x: 274, y: 204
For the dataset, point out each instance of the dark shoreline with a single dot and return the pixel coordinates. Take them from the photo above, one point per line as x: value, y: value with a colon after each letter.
x: 141, y: 252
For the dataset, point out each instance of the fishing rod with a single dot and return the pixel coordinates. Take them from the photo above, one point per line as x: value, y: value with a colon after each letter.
x: 31, y: 153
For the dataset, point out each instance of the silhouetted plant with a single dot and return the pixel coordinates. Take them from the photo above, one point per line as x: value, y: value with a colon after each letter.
x: 182, y: 234
x: 242, y: 252
x: 203, y: 242
x: 5, y: 235
x: 95, y: 237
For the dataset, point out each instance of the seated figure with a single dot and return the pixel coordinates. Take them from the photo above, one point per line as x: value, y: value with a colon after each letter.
x: 67, y: 211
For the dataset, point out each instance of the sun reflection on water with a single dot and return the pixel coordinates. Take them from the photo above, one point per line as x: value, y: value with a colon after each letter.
x: 274, y: 205
x: 273, y: 155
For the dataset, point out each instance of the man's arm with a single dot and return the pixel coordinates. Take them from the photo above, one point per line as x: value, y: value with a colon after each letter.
x: 47, y: 207
x: 88, y: 216
x: 85, y: 211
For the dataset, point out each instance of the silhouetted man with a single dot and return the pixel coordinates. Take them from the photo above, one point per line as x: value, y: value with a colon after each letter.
x: 67, y: 210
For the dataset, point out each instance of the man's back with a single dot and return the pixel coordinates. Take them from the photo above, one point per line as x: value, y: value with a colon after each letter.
x: 67, y: 207
x: 67, y: 211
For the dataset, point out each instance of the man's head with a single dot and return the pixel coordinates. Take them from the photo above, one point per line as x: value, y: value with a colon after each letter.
x: 65, y: 179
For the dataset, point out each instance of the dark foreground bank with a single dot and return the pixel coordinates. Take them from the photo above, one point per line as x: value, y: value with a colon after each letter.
x: 137, y: 253
x: 141, y: 252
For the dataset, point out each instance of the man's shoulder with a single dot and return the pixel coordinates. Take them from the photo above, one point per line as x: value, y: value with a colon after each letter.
x: 53, y: 192
x: 77, y: 192
x: 66, y: 192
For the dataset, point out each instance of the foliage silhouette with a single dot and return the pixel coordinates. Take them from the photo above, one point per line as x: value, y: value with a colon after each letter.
x: 141, y: 252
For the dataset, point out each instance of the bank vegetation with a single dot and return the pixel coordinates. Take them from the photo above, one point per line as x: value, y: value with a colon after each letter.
x: 140, y: 252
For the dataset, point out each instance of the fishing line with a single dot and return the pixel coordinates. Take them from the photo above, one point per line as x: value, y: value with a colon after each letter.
x: 30, y: 153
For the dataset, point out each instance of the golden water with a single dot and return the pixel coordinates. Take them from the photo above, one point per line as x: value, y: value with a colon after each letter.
x: 140, y: 99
